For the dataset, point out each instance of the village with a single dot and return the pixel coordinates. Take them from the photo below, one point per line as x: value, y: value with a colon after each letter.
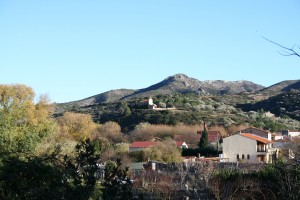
x: 248, y: 150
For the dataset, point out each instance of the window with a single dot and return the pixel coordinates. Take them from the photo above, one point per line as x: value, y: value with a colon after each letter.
x: 237, y: 156
x: 248, y: 157
x: 243, y: 157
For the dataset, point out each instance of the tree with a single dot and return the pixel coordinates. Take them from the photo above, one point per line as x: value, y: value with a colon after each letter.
x: 165, y: 151
x: 49, y: 176
x: 111, y: 131
x: 77, y: 126
x: 291, y: 150
x: 204, y: 139
x: 117, y: 183
x: 123, y: 108
x: 23, y: 123
x: 286, y: 51
x: 79, y: 173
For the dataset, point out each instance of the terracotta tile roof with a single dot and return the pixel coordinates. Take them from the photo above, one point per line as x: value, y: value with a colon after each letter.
x: 142, y: 144
x: 188, y: 138
x: 257, y: 138
x: 179, y: 144
x: 146, y: 144
x: 213, y: 136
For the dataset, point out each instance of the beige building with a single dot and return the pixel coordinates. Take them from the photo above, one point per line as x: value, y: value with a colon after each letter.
x: 246, y: 147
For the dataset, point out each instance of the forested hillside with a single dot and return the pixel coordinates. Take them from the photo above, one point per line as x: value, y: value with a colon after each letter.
x: 222, y: 110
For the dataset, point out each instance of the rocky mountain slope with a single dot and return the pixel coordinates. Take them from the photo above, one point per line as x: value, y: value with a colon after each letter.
x: 179, y: 83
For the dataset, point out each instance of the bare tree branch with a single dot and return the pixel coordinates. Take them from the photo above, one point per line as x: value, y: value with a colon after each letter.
x: 287, y: 51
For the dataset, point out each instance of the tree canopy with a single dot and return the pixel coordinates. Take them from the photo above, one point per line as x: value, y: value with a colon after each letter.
x: 22, y: 122
x: 76, y: 125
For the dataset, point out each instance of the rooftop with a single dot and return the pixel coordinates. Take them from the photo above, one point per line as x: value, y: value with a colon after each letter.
x: 255, y: 137
x: 146, y: 144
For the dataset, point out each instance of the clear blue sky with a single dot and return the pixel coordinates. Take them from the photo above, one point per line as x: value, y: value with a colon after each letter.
x: 71, y: 49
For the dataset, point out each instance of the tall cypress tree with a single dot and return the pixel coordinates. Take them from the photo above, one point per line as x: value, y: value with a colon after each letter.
x: 204, y: 139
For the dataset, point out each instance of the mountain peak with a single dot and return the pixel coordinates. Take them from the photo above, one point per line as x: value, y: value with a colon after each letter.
x: 180, y: 76
x: 177, y: 77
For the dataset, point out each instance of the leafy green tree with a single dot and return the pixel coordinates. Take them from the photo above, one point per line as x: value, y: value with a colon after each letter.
x: 30, y: 178
x: 23, y: 123
x: 79, y: 172
x: 117, y: 184
x: 165, y: 151
x: 50, y: 177
x: 123, y: 108
x: 204, y: 139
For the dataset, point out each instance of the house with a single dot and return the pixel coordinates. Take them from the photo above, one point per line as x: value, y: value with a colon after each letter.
x: 212, y: 136
x: 259, y: 132
x: 147, y: 104
x: 191, y: 139
x: 141, y: 145
x: 181, y: 145
x: 277, y: 136
x: 137, y: 168
x: 291, y: 133
x: 247, y: 147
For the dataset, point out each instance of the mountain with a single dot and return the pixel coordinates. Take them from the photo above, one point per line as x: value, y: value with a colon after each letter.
x: 181, y: 83
x: 109, y: 96
x: 218, y: 102
x: 178, y: 83
x: 287, y: 103
x: 282, y: 86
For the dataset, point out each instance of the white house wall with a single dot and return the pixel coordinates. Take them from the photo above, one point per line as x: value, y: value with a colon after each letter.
x: 237, y: 144
x: 294, y: 134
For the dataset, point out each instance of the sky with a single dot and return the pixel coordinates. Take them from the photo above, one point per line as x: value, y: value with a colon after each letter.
x: 74, y: 49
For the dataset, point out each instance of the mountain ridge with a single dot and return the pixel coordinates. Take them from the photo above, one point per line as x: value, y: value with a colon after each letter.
x: 178, y: 83
x: 282, y: 86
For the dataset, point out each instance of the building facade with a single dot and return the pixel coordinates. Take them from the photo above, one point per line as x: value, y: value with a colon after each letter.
x: 247, y: 148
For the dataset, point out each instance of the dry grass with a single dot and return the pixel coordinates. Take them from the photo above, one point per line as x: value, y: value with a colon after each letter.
x: 162, y: 131
x: 148, y: 132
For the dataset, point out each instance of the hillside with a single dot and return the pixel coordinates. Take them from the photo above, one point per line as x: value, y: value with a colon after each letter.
x: 110, y: 96
x: 192, y: 101
x: 283, y: 86
x: 180, y: 83
x: 287, y: 103
x: 177, y: 84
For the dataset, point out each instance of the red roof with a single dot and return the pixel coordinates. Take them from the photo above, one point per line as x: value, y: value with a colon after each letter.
x: 212, y: 136
x: 179, y: 144
x: 257, y: 138
x: 187, y: 138
x: 146, y: 144
x: 142, y: 144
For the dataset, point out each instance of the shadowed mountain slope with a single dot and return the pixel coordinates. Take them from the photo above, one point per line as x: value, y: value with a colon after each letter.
x: 282, y: 86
